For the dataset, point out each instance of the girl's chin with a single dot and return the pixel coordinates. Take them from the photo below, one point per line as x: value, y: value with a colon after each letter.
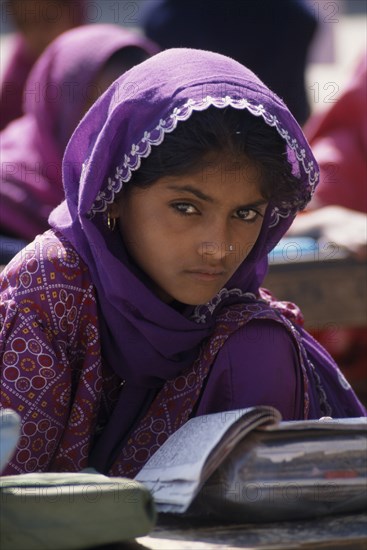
x: 191, y: 296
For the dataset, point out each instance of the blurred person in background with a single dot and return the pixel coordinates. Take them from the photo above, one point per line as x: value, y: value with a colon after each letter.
x: 37, y: 23
x: 338, y: 210
x: 270, y: 37
x: 66, y: 80
x: 338, y: 138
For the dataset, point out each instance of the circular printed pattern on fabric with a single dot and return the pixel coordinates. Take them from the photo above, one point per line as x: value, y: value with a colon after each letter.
x: 30, y: 428
x: 23, y: 442
x: 142, y: 455
x: 19, y: 345
x: 25, y: 279
x: 50, y: 446
x: 62, y: 392
x: 10, y: 358
x: 26, y: 276
x: 37, y: 444
x: 34, y: 347
x: 23, y: 456
x: 23, y: 384
x: 47, y: 373
x: 46, y: 286
x: 92, y: 335
x: 161, y: 438
x: 27, y: 364
x: 31, y: 465
x: 59, y: 309
x: 30, y: 444
x: 45, y: 360
x: 180, y: 383
x: 72, y: 314
x: 43, y: 459
x: 69, y: 259
x: 84, y: 451
x: 128, y: 451
x: 51, y: 433
x: 32, y: 265
x: 66, y: 312
x: 11, y: 374
x: 38, y: 382
x: 158, y: 426
x: 77, y: 415
x: 64, y: 259
x: 44, y: 425
x: 191, y: 380
x: 217, y: 343
x: 144, y: 438
x: 98, y: 385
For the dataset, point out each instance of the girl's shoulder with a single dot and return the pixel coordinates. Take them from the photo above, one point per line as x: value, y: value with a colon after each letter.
x: 46, y: 289
x: 49, y: 260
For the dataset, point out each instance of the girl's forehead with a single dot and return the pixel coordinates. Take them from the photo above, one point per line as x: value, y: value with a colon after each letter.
x: 220, y: 181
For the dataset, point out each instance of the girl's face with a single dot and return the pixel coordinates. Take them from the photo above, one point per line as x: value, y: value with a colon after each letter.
x: 190, y: 233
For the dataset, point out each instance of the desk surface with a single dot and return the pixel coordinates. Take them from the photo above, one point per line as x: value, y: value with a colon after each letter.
x: 330, y: 533
x: 329, y: 292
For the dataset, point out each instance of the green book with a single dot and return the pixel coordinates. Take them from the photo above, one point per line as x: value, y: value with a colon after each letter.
x: 62, y: 511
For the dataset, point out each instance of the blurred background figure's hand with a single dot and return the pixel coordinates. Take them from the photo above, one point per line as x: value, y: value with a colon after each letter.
x: 341, y: 226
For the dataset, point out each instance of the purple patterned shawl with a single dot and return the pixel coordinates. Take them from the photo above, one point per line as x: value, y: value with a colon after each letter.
x: 54, y: 98
x: 144, y: 340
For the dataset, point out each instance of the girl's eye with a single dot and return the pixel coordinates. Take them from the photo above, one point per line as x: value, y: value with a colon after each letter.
x: 248, y: 215
x: 184, y: 208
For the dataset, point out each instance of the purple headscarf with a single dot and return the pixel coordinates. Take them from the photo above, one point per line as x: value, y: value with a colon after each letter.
x: 55, y: 96
x: 145, y: 340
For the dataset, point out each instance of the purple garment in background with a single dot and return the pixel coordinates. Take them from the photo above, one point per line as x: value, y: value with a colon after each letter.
x: 55, y: 96
x: 18, y: 67
x: 21, y: 57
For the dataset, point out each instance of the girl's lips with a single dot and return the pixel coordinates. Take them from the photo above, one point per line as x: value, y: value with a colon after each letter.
x: 206, y: 275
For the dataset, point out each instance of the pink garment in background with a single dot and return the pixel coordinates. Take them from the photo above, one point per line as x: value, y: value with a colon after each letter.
x: 338, y: 139
x: 18, y: 67
x: 339, y: 142
x: 55, y: 96
x: 35, y: 24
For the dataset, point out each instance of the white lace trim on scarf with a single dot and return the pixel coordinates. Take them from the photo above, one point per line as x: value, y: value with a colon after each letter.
x: 142, y: 149
x: 201, y: 311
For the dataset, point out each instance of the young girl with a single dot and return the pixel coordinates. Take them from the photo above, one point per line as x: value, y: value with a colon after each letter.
x: 142, y: 305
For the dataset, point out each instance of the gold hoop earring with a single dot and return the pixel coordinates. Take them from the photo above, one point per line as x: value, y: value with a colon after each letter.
x: 111, y: 222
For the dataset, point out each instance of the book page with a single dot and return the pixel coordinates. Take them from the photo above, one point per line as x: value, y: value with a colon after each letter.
x: 290, y: 473
x: 325, y: 423
x: 175, y: 472
x: 185, y: 452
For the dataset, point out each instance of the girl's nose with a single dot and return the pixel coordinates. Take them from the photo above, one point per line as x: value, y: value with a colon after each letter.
x: 217, y: 244
x: 215, y: 250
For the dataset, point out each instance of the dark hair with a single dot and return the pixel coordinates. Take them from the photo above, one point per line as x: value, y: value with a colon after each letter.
x: 126, y: 58
x: 230, y: 132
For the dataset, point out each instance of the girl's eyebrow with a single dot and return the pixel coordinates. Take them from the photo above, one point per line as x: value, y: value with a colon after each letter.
x: 255, y: 204
x: 200, y: 195
x: 189, y: 189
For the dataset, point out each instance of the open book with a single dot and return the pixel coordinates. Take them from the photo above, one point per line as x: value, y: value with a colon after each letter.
x: 249, y: 465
